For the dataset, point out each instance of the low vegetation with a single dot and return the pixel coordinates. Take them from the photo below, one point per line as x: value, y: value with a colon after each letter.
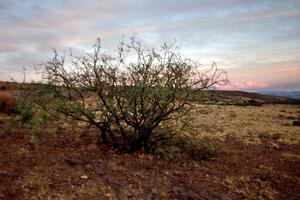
x: 183, y: 148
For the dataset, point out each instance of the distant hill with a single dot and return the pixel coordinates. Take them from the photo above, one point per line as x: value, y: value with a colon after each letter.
x: 244, y: 98
x: 7, y: 85
x: 210, y: 96
x: 291, y: 94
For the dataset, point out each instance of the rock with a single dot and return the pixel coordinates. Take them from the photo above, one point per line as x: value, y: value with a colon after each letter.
x: 70, y: 162
x: 296, y: 123
x: 273, y: 145
x: 84, y: 177
x: 252, y: 101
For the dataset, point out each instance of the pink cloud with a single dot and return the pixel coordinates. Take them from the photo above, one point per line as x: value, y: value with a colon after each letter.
x: 245, y: 85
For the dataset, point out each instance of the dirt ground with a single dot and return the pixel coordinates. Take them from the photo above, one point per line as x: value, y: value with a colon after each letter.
x: 261, y: 160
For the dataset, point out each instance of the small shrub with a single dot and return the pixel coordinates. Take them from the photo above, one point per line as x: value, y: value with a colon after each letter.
x: 264, y: 135
x: 8, y: 127
x: 26, y: 111
x: 204, y: 149
x: 181, y: 147
x: 160, y: 152
x: 276, y: 136
x: 33, y: 116
x: 232, y: 114
x: 180, y: 142
x: 7, y: 102
x: 187, y: 122
x: 36, y: 124
x: 269, y: 136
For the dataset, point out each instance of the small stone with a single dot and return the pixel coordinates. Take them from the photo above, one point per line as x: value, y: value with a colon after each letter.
x: 109, y: 195
x: 274, y: 146
x: 296, y: 123
x: 84, y: 177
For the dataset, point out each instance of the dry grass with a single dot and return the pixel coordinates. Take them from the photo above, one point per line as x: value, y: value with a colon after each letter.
x: 249, y: 188
x: 291, y: 156
x: 36, y: 184
x: 251, y: 125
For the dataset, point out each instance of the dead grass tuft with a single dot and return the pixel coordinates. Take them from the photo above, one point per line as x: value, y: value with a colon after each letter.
x: 7, y: 102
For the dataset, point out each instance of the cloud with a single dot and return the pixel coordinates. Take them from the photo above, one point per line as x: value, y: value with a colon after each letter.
x: 248, y: 37
x: 251, y: 85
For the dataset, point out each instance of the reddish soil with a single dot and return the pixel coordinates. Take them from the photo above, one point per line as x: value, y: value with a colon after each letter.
x: 54, y: 168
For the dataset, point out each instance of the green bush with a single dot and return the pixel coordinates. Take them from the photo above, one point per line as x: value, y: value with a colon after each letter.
x: 37, y: 123
x: 160, y: 152
x: 32, y: 115
x: 204, y: 149
x: 26, y: 111
x: 187, y: 148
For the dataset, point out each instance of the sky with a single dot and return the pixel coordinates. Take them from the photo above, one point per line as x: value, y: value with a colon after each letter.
x: 256, y: 41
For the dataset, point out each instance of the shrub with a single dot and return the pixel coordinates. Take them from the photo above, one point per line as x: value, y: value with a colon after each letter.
x: 35, y: 113
x: 269, y: 136
x: 276, y: 136
x: 127, y: 100
x: 160, y: 152
x: 186, y: 148
x: 232, y: 114
x: 204, y: 149
x: 36, y: 124
x: 7, y: 102
x: 8, y: 128
x: 25, y: 110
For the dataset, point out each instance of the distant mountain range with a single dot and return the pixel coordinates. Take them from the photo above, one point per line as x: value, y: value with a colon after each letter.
x: 243, y: 98
x: 283, y: 93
